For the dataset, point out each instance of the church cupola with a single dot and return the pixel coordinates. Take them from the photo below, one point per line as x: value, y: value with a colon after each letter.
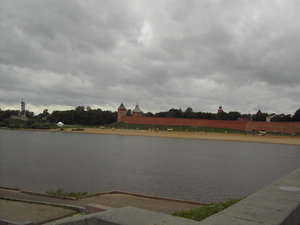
x: 220, y: 108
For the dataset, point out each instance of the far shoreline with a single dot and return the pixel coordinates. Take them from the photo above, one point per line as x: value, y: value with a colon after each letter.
x: 270, y: 139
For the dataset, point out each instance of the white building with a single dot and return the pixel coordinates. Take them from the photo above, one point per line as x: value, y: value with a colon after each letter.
x: 60, y: 124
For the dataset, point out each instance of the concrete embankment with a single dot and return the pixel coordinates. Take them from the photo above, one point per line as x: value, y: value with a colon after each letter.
x: 277, y: 203
x: 38, y: 213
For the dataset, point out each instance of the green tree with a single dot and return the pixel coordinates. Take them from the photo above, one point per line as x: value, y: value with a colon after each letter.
x: 189, y: 113
x: 296, y: 116
x: 79, y: 108
x: 29, y: 115
x: 281, y: 118
x: 149, y: 114
x: 233, y: 115
x: 129, y: 113
x: 30, y: 122
x: 161, y: 114
x: 45, y: 113
x: 8, y: 113
x: 222, y: 116
x: 4, y: 123
x: 86, y: 120
x: 206, y: 115
x: 175, y: 113
x: 259, y: 116
x: 248, y: 116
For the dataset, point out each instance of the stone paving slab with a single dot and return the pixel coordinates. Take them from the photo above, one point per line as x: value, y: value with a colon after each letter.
x: 113, y: 199
x: 226, y: 220
x: 288, y: 181
x: 15, y: 211
x: 255, y: 214
x: 275, y: 192
x: 124, y: 216
x: 269, y: 202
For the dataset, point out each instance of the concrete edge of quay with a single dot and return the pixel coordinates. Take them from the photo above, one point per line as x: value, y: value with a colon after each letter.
x: 153, y: 197
x: 78, y: 208
x: 104, y: 193
x: 277, y: 203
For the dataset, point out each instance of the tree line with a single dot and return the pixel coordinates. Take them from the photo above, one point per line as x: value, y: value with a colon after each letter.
x: 189, y: 113
x: 88, y: 116
x: 79, y: 115
x: 83, y: 116
x: 233, y: 115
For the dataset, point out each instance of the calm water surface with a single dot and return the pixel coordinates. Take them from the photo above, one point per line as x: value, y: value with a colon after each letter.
x: 199, y: 170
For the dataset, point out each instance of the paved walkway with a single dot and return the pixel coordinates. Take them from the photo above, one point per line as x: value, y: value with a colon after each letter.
x: 20, y: 211
x: 15, y: 211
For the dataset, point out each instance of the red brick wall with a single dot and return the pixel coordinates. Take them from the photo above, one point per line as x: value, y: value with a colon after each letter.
x: 229, y: 124
x: 240, y: 125
x: 137, y: 114
x: 281, y: 127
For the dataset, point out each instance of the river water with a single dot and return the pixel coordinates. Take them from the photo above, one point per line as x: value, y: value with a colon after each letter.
x: 199, y: 170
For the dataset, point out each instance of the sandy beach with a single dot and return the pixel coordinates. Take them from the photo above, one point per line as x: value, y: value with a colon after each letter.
x: 189, y: 135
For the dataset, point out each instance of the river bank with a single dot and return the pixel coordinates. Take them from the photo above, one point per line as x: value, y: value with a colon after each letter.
x: 193, y: 135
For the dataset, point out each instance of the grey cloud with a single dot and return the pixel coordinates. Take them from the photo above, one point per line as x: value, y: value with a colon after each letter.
x: 161, y: 54
x: 44, y: 26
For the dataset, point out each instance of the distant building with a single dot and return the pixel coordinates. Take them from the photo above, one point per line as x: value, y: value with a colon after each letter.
x: 268, y: 118
x: 137, y: 111
x: 60, y: 124
x: 246, y: 125
x: 121, y: 112
x: 22, y: 107
x: 22, y: 115
x: 220, y: 109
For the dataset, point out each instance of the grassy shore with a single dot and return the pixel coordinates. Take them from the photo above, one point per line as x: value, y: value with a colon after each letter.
x: 206, y: 211
x: 240, y: 137
x: 62, y: 192
x: 207, y: 133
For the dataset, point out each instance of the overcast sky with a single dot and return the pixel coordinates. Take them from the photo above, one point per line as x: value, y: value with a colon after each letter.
x: 163, y: 54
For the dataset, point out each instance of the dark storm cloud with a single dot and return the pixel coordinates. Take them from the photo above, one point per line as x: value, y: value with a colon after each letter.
x: 162, y: 54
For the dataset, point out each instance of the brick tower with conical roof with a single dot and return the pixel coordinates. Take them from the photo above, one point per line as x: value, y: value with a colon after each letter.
x: 137, y: 111
x: 121, y: 112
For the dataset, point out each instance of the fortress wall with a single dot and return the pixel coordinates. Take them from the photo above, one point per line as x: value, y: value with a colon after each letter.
x: 281, y: 127
x: 284, y: 127
x: 240, y: 125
